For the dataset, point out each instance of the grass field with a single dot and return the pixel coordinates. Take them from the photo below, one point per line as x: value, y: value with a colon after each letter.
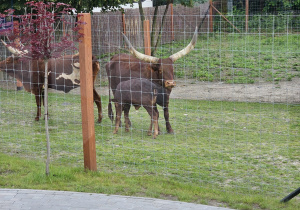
x: 239, y: 58
x: 240, y: 155
x: 235, y: 58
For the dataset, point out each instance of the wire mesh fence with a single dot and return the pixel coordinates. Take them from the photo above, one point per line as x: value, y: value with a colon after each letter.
x: 234, y: 110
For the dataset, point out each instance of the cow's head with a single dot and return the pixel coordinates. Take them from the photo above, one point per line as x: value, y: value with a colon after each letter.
x: 164, y: 67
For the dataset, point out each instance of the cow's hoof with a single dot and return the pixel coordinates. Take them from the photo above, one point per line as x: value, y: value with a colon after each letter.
x: 126, y: 129
x: 115, y: 132
x: 170, y: 131
x: 37, y: 119
x: 149, y: 133
x: 99, y: 118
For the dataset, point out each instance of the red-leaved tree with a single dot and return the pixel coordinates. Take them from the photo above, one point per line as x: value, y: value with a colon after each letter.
x: 36, y: 39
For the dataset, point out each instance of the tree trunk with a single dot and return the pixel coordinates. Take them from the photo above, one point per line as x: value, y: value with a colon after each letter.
x: 154, y: 22
x: 154, y: 43
x: 154, y: 48
x: 142, y: 16
x: 46, y: 116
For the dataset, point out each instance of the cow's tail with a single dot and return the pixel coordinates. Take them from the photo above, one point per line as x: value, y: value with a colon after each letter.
x: 110, y: 111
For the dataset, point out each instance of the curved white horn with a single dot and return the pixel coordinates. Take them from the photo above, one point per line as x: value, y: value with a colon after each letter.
x: 139, y: 55
x: 13, y: 50
x: 187, y: 49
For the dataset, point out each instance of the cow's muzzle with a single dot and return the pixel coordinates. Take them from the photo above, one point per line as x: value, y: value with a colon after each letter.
x: 170, y: 83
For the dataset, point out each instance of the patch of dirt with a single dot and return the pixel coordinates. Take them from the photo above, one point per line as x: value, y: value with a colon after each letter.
x: 279, y: 92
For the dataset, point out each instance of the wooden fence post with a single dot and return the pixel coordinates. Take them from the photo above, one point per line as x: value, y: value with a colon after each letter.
x: 172, y: 22
x: 147, y: 37
x: 86, y: 90
x: 247, y: 14
x: 124, y: 23
x: 211, y: 21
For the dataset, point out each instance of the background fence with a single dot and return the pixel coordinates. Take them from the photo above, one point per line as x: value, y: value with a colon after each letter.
x: 108, y: 26
x: 235, y: 110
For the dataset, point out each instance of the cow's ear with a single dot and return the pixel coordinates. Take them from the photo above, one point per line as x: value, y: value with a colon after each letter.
x: 155, y: 66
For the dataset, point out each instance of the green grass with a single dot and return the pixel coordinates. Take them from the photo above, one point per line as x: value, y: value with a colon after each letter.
x: 238, y: 58
x: 241, y: 155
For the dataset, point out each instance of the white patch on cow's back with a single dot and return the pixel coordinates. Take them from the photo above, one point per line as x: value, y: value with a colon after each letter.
x: 74, y: 76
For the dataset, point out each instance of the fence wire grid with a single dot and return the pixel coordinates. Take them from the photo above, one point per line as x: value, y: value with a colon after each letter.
x: 235, y: 109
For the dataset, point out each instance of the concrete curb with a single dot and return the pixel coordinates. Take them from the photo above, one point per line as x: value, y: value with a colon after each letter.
x: 43, y: 199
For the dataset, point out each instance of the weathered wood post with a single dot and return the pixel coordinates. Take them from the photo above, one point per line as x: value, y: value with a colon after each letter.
x: 172, y: 22
x: 211, y: 21
x: 124, y: 23
x: 147, y: 39
x: 86, y: 90
x: 247, y: 15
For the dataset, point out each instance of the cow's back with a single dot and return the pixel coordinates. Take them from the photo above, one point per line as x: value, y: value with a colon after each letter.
x: 123, y: 67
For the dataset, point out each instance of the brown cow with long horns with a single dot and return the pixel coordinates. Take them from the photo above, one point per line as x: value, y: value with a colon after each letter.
x: 124, y: 67
x: 63, y: 75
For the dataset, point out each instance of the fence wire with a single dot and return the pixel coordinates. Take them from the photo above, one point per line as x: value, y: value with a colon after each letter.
x: 234, y: 111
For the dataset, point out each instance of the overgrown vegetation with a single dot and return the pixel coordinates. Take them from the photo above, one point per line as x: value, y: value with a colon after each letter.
x: 235, y: 58
x: 268, y: 6
x: 241, y: 155
x: 280, y: 23
x: 239, y: 58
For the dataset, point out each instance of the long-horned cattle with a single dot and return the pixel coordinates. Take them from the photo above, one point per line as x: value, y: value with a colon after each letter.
x: 63, y: 75
x: 123, y: 67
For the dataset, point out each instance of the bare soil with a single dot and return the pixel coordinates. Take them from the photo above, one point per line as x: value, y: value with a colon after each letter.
x: 277, y: 92
x: 281, y: 92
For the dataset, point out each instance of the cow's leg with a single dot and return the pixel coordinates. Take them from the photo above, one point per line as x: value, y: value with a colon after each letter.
x: 166, y: 115
x: 153, y: 112
x: 150, y: 112
x: 38, y: 100
x: 126, y: 115
x: 126, y: 109
x: 155, y: 122
x: 97, y: 100
x: 118, y: 116
x: 149, y: 133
